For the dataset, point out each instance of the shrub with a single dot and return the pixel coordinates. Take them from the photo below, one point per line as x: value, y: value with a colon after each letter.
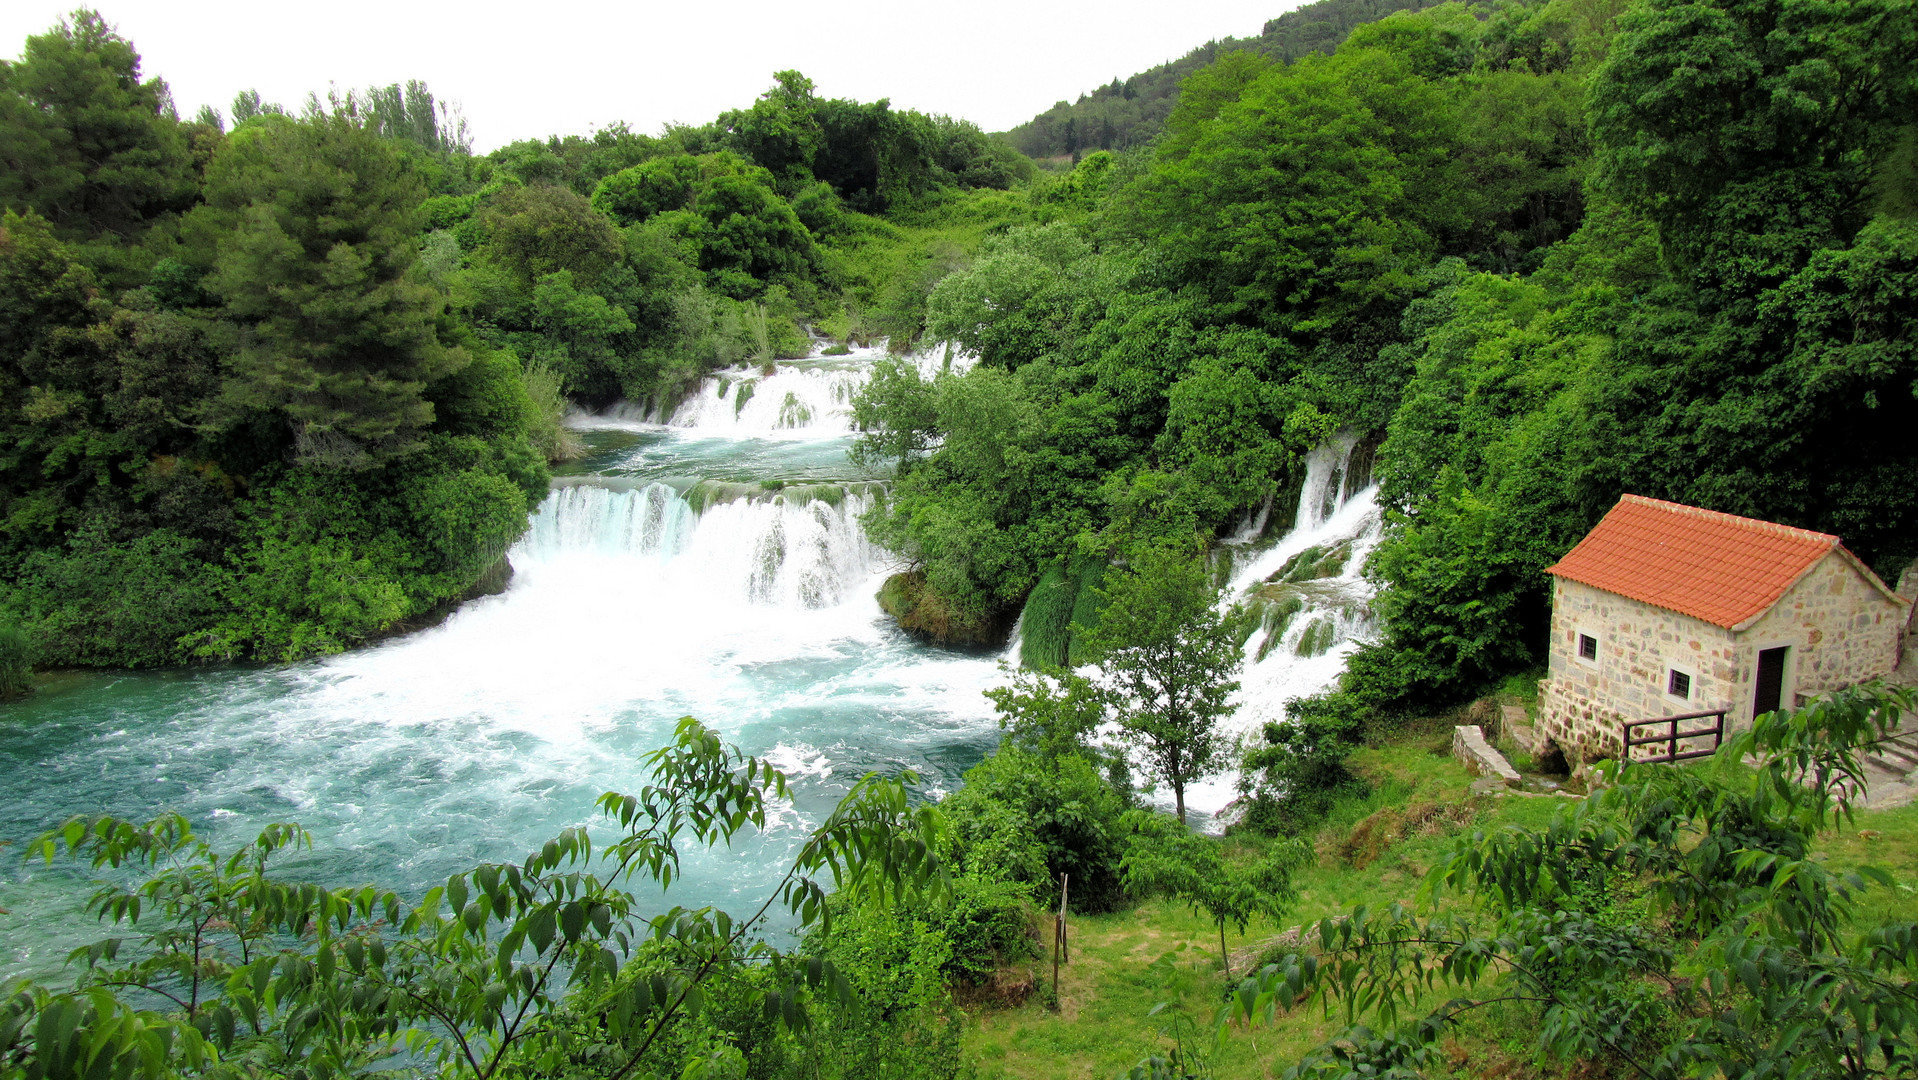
x: 987, y: 926
x: 16, y: 661
x: 97, y: 603
x: 898, y: 1023
x: 1289, y: 784
x: 1023, y: 818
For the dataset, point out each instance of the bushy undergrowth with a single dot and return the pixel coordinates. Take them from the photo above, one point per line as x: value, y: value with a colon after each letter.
x: 1023, y: 817
x: 16, y: 661
x: 1291, y: 781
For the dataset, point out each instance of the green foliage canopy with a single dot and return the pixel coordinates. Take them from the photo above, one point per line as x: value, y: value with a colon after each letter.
x: 1166, y: 661
x: 483, y: 976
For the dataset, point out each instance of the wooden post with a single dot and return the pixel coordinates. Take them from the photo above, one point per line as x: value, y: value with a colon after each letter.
x: 1055, y: 961
x: 1065, y: 939
x: 1059, y: 936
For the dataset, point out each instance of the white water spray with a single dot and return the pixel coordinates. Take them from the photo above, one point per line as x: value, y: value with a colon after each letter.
x: 1309, y: 590
x: 808, y: 398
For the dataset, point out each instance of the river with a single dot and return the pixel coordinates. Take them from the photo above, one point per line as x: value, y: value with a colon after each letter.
x: 709, y: 563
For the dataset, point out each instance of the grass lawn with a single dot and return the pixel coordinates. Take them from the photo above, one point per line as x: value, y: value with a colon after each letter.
x: 1372, y: 851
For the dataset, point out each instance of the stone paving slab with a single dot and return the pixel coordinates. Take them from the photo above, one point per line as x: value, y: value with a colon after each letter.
x: 1480, y: 759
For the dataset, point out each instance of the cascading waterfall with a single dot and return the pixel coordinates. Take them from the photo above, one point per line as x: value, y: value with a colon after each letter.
x: 1308, y: 587
x: 791, y: 397
x: 808, y: 398
x: 801, y: 548
x: 1307, y: 590
x: 715, y: 568
x: 586, y: 518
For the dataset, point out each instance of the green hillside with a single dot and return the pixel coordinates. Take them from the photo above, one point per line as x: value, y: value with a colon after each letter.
x: 1132, y: 112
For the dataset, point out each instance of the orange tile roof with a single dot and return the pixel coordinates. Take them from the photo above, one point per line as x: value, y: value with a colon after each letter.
x: 1721, y: 568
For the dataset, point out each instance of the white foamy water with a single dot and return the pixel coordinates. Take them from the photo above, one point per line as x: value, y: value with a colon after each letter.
x: 790, y: 398
x: 1334, y: 514
x: 748, y: 603
x: 810, y: 398
x: 630, y: 600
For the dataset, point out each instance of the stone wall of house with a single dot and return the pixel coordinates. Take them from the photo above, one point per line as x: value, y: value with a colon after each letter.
x: 1908, y: 588
x: 1583, y: 703
x: 1841, y: 629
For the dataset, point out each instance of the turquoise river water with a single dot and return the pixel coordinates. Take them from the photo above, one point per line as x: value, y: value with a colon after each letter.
x: 632, y: 604
x: 708, y: 563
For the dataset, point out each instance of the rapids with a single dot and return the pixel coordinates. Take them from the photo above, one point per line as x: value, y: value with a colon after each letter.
x: 713, y: 567
x: 707, y: 563
x: 1304, y: 580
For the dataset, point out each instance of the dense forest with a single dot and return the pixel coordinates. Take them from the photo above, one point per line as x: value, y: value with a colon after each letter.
x: 1548, y: 253
x: 1128, y: 113
x: 277, y: 383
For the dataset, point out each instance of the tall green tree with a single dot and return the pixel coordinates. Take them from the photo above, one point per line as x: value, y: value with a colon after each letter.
x: 85, y: 142
x: 1752, y: 131
x: 1167, y: 663
x: 1290, y: 204
x: 780, y: 132
x: 309, y: 232
x: 748, y: 235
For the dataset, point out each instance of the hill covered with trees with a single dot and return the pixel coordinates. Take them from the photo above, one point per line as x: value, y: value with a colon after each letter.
x: 1128, y: 113
x: 275, y: 384
x: 1551, y: 253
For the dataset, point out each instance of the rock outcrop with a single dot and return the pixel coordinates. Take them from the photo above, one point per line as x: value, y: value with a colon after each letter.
x: 923, y: 613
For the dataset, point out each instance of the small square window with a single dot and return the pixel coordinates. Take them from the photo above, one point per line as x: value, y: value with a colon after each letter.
x: 1587, y: 647
x: 1679, y: 685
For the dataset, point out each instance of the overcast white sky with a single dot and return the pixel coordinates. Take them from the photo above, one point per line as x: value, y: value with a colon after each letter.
x: 525, y: 70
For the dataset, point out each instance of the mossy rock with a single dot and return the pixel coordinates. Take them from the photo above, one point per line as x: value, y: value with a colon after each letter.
x: 1297, y: 566
x: 1066, y: 596
x: 1045, y: 627
x: 1276, y: 617
x: 1088, y: 604
x: 923, y: 613
x: 1318, y: 637
x: 1314, y: 563
x: 793, y: 413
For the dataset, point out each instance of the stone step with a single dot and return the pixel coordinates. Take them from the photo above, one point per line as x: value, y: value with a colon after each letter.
x: 1894, y: 756
x: 1515, y: 723
x: 1892, y: 766
x: 1524, y: 736
x: 1900, y: 745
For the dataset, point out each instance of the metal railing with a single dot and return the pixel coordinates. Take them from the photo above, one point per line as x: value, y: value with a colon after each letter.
x: 1671, y: 737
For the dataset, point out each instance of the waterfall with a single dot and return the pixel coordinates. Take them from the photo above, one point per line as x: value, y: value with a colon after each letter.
x: 1307, y: 589
x: 784, y: 548
x: 793, y: 397
x: 808, y: 398
x: 716, y: 571
x: 1305, y: 593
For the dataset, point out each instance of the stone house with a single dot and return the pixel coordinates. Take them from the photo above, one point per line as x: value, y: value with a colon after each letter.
x: 1665, y: 609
